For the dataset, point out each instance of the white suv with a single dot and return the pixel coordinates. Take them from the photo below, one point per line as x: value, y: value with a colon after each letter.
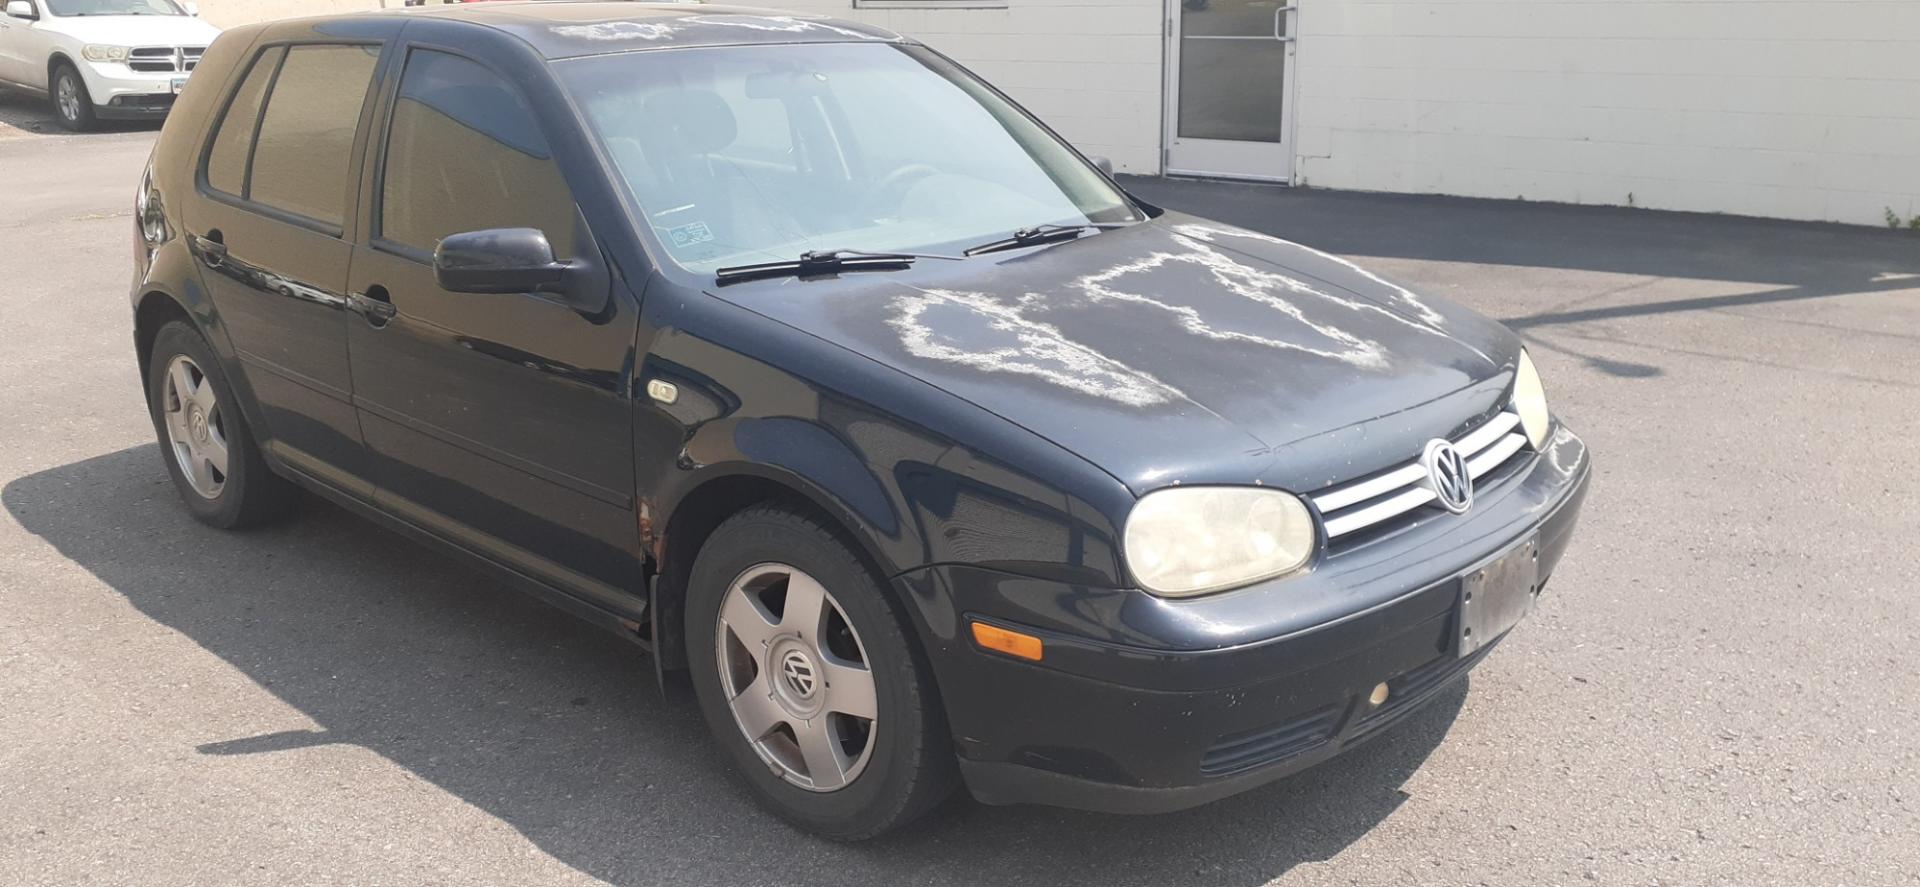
x: 116, y: 59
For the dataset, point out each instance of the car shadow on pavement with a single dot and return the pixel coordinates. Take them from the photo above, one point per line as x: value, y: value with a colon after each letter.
x: 23, y: 114
x: 556, y: 727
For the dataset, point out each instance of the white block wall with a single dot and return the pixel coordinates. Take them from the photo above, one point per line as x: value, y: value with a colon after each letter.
x: 231, y: 13
x: 1801, y: 109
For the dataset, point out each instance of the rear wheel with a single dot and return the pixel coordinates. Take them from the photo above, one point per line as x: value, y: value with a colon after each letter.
x: 805, y: 673
x: 71, y: 102
x: 204, y: 439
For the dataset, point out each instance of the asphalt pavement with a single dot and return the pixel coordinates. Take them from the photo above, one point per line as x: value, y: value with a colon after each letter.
x: 1719, y: 687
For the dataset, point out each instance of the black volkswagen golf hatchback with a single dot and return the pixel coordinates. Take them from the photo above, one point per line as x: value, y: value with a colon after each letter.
x: 792, y: 352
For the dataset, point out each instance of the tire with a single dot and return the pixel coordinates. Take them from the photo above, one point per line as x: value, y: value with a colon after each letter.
x: 903, y: 766
x: 232, y: 493
x: 72, y: 104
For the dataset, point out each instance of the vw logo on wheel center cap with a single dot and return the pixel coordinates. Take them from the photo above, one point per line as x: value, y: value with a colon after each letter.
x: 799, y: 674
x: 1448, y: 474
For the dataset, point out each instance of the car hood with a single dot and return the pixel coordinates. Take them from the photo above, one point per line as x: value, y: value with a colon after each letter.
x: 134, y: 30
x: 1178, y: 350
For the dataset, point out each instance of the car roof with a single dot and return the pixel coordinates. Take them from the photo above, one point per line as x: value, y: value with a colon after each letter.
x: 560, y: 30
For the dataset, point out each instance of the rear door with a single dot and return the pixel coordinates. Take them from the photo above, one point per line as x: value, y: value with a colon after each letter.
x: 277, y: 187
x: 501, y: 422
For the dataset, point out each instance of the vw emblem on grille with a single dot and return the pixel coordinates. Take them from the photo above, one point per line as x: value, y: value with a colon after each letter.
x: 798, y: 672
x: 1447, y: 471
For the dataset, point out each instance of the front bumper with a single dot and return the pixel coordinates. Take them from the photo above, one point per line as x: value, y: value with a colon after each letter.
x: 1115, y: 722
x: 121, y: 93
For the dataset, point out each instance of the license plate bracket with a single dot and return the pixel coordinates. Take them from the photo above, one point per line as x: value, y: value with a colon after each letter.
x: 1496, y: 595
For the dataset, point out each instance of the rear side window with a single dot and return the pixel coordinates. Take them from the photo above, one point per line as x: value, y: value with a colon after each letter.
x: 233, y: 141
x: 464, y: 153
x: 306, y: 135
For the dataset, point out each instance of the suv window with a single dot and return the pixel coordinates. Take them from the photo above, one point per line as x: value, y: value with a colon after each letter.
x: 233, y: 141
x: 301, y: 155
x: 464, y: 153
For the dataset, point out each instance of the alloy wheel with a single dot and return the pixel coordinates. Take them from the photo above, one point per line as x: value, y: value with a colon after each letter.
x: 196, y: 426
x: 796, y: 677
x: 68, y: 97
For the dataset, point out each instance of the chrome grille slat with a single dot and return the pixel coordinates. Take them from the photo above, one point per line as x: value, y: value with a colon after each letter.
x: 1365, y: 503
x: 1413, y: 498
x: 164, y: 59
x: 1477, y: 440
x: 1495, y: 454
x: 1341, y: 497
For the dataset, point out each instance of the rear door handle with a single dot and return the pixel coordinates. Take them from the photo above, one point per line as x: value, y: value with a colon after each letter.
x: 212, y: 251
x: 373, y: 305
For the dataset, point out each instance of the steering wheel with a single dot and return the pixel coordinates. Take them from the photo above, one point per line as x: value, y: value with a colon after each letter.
x: 892, y: 187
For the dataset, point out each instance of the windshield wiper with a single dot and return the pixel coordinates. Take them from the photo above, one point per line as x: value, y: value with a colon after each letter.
x: 823, y: 261
x: 1042, y: 234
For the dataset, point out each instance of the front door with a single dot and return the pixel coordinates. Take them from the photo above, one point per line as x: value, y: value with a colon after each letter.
x: 1229, y: 81
x: 498, y: 421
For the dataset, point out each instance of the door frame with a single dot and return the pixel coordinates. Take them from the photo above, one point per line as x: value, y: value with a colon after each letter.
x: 1170, y: 103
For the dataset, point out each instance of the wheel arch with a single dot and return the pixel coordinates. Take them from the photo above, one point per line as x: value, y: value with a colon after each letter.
x: 157, y: 306
x: 708, y: 502
x: 55, y: 60
x: 154, y: 310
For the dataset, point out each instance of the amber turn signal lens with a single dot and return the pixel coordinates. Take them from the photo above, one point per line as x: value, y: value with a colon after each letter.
x: 1012, y: 643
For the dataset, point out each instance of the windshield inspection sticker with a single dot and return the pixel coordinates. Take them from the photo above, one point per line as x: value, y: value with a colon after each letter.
x: 690, y: 234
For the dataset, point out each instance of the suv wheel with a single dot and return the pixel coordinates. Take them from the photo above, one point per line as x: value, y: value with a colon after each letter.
x: 805, y: 673
x: 203, y: 437
x: 71, y: 102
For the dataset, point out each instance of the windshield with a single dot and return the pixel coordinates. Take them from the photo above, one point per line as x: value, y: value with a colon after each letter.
x: 114, y: 7
x: 759, y: 153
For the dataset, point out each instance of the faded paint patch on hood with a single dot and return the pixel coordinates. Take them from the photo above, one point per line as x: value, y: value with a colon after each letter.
x: 1177, y: 350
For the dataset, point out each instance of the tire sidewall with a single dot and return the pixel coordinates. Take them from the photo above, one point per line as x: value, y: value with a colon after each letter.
x: 876, y: 798
x: 176, y: 339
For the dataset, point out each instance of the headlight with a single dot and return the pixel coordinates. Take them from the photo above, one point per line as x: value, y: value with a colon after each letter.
x: 1530, y: 401
x: 100, y: 52
x: 1184, y: 541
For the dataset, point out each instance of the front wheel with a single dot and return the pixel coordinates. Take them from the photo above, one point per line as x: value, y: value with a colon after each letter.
x: 806, y: 675
x: 71, y: 101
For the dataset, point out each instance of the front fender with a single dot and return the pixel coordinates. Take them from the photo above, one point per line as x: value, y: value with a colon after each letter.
x: 919, y: 476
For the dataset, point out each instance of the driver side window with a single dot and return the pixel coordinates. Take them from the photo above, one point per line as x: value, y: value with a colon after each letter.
x: 464, y: 153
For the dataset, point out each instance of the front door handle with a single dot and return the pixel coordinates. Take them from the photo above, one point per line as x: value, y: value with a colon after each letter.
x: 374, y: 305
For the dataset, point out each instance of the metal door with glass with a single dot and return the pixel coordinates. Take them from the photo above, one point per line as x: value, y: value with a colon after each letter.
x: 1229, y: 75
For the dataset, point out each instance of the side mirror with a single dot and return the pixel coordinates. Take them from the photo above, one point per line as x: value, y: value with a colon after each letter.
x: 1102, y: 164
x: 498, y: 260
x: 22, y: 9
